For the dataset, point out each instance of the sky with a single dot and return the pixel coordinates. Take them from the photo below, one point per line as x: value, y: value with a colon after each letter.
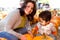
x: 15, y: 3
x: 9, y: 3
x: 54, y: 3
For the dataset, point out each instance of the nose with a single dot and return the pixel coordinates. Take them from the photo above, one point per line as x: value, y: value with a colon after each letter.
x: 30, y: 9
x: 43, y: 23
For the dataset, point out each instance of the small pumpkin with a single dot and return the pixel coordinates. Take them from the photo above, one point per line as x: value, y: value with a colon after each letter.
x: 43, y: 38
x: 28, y: 36
x: 3, y: 39
x: 56, y: 21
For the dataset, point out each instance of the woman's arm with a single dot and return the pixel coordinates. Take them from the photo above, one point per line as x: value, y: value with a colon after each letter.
x: 9, y: 23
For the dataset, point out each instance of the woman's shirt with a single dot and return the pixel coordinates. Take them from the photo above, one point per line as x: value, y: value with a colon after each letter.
x: 12, y: 21
x: 23, y: 22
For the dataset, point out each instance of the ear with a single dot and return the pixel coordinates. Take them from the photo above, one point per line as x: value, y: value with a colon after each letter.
x: 39, y: 18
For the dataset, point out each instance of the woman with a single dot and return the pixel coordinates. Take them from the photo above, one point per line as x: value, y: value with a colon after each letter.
x: 17, y: 19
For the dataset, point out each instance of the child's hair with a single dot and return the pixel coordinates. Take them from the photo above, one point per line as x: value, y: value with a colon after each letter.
x: 45, y: 15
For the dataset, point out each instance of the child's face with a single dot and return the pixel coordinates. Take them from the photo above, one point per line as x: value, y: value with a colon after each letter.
x: 43, y: 22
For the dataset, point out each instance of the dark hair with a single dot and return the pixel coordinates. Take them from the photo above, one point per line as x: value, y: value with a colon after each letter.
x: 30, y: 16
x: 45, y: 15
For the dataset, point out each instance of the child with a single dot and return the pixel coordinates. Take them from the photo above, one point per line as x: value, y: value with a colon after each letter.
x: 44, y: 26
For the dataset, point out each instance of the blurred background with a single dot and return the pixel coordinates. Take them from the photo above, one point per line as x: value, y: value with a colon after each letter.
x: 6, y: 6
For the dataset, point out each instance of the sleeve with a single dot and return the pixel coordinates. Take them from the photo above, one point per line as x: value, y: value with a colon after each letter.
x: 11, y: 18
x: 28, y: 26
x: 53, y: 28
x: 35, y: 29
x: 54, y: 31
x: 38, y: 25
x: 9, y: 22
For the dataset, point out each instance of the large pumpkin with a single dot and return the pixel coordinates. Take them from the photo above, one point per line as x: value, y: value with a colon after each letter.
x: 43, y: 38
x: 3, y: 39
x: 56, y: 21
x: 28, y: 36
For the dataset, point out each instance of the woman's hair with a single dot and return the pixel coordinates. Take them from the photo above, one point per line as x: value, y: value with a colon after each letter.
x: 30, y: 16
x: 45, y: 15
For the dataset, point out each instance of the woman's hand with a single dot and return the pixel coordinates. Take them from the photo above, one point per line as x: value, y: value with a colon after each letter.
x: 22, y: 37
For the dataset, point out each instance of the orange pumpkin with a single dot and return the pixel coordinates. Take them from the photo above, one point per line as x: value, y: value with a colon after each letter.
x: 43, y: 38
x: 3, y: 39
x: 56, y: 21
x: 28, y: 36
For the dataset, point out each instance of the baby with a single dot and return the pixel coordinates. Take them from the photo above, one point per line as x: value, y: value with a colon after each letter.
x: 44, y: 26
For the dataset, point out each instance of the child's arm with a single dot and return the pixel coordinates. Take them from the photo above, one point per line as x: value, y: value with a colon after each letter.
x: 29, y: 28
x: 54, y: 31
x: 30, y: 32
x: 34, y: 30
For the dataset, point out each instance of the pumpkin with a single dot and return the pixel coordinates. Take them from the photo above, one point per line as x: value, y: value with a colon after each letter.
x: 28, y: 37
x: 43, y: 38
x: 3, y: 39
x: 56, y: 20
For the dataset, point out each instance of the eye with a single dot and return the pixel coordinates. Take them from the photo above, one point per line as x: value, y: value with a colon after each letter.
x: 32, y: 8
x: 28, y: 6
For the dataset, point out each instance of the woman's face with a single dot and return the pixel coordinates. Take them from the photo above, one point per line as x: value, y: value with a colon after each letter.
x: 29, y: 8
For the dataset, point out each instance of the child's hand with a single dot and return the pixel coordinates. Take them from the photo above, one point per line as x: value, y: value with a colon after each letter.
x: 23, y: 37
x: 46, y: 34
x: 32, y: 35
